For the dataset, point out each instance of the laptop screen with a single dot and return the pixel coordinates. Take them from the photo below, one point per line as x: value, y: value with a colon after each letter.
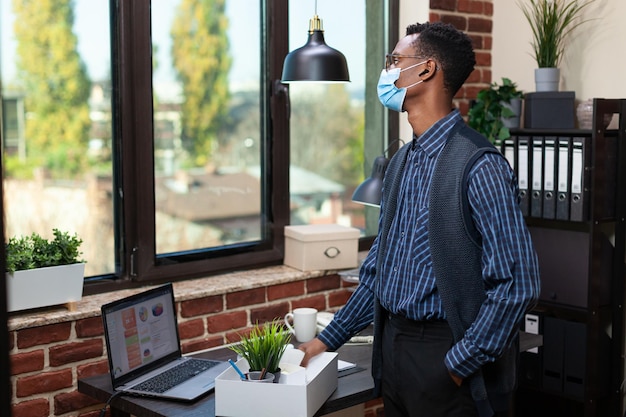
x: 141, y: 332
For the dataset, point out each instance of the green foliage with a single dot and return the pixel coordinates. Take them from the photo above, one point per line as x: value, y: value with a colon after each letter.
x: 264, y: 346
x: 56, y: 84
x: 488, y: 111
x: 34, y: 251
x: 551, y: 21
x: 201, y: 59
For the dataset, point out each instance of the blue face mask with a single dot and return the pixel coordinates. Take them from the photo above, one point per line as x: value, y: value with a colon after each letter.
x: 389, y: 95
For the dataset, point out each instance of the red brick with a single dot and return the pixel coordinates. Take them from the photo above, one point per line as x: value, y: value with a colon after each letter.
x: 39, y: 407
x: 235, y: 336
x: 72, y: 401
x: 477, y: 40
x: 90, y: 327
x: 245, y: 298
x: 477, y: 24
x: 74, y: 352
x: 43, y: 335
x: 443, y: 4
x: 190, y: 329
x: 459, y: 22
x: 330, y: 282
x: 201, y: 306
x: 483, y: 59
x: 92, y: 368
x: 474, y: 77
x: 196, y: 345
x: 226, y: 321
x: 27, y: 362
x: 338, y: 299
x: 11, y: 340
x: 487, y: 42
x: 43, y: 382
x: 317, y: 301
x: 269, y: 313
x: 471, y: 6
x: 463, y: 107
x: 290, y: 289
x: 472, y: 91
x: 488, y: 11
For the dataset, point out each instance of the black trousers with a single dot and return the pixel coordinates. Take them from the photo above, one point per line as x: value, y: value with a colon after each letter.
x: 416, y: 382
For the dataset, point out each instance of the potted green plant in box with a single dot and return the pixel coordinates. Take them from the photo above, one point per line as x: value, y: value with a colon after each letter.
x: 263, y: 347
x: 42, y: 272
x: 496, y: 110
x: 551, y: 22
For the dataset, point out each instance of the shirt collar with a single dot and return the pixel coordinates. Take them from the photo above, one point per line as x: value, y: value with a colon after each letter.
x: 433, y: 139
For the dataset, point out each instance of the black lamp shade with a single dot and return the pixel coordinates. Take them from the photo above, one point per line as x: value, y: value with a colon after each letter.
x: 369, y: 192
x: 315, y: 61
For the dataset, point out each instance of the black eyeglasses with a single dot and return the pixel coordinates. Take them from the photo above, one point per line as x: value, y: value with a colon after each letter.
x: 392, y: 59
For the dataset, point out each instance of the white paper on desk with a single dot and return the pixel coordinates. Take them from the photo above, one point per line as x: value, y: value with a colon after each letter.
x: 343, y: 365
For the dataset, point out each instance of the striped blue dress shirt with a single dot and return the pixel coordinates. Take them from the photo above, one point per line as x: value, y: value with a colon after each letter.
x: 406, y: 284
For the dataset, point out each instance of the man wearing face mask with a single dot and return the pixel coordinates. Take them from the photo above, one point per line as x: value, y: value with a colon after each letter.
x: 453, y: 269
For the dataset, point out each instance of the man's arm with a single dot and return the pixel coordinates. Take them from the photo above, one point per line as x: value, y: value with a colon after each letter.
x: 510, y: 268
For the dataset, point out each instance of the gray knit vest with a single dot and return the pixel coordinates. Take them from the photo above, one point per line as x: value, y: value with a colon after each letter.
x: 456, y: 252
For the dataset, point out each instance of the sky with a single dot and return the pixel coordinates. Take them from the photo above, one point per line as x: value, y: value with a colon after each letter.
x: 340, y: 23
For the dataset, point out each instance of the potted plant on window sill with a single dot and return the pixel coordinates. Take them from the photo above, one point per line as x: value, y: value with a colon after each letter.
x: 551, y: 21
x: 496, y: 110
x: 263, y: 347
x: 42, y: 273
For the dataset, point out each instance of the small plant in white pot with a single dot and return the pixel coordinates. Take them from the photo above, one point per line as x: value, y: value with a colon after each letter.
x: 42, y: 272
x: 263, y: 347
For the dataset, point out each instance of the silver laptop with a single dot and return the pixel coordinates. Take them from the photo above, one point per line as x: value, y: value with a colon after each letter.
x: 143, y: 348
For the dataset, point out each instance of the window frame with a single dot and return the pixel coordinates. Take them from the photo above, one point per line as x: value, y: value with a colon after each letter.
x: 134, y: 200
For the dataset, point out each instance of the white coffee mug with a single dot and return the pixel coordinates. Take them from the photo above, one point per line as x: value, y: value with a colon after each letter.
x: 304, y: 323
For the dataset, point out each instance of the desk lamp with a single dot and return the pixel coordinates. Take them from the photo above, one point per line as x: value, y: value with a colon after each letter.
x: 369, y: 192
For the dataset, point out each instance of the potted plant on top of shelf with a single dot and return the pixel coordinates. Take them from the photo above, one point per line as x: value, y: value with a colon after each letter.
x: 551, y: 22
x: 496, y: 110
x: 263, y: 347
x: 42, y: 272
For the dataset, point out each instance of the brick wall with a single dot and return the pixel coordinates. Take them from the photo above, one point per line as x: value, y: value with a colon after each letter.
x: 47, y: 361
x: 475, y: 17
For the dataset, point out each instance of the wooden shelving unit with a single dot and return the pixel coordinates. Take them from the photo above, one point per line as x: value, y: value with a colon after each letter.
x: 579, y: 369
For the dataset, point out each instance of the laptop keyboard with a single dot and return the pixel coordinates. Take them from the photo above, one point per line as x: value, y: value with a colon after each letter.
x: 174, y: 376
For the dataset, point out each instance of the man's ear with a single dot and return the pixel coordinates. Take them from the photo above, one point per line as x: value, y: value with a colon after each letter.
x: 429, y: 71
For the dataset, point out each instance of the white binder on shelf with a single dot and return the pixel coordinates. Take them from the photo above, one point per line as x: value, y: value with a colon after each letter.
x: 536, y: 194
x: 563, y: 178
x: 549, y: 165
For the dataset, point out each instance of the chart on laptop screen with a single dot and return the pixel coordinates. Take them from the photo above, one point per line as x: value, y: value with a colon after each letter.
x: 141, y: 333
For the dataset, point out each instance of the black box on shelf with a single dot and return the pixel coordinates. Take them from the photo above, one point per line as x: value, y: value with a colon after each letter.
x: 550, y: 110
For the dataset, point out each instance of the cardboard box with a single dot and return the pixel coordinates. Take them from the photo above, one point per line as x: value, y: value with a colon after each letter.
x: 321, y: 247
x: 287, y: 398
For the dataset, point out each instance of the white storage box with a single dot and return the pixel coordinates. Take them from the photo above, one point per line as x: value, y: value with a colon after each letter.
x: 237, y: 398
x: 321, y: 247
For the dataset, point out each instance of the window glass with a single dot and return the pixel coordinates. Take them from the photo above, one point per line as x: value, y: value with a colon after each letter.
x: 327, y: 120
x: 207, y: 130
x: 56, y: 123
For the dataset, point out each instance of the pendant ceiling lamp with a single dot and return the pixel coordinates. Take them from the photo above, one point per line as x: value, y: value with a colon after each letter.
x: 315, y: 61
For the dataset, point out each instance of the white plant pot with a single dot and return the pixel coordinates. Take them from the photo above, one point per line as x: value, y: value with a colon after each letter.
x: 44, y: 287
x: 547, y: 79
